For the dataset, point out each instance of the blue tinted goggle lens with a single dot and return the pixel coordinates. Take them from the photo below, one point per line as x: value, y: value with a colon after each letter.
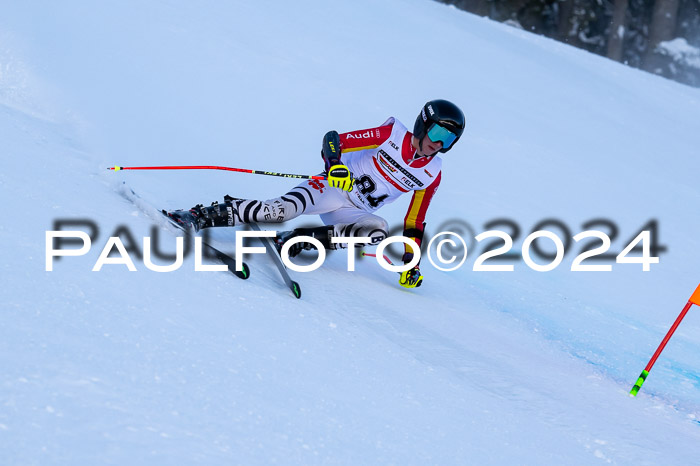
x: 438, y: 133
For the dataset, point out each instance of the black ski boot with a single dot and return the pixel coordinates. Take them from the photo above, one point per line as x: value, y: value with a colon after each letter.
x: 322, y: 234
x: 216, y: 215
x: 187, y: 219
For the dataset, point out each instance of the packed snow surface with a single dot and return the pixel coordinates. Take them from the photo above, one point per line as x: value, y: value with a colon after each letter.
x: 519, y: 367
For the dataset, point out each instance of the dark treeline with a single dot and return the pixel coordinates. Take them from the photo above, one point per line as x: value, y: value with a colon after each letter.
x: 659, y: 36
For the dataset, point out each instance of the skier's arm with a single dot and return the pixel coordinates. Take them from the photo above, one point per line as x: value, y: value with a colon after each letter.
x: 330, y: 149
x: 414, y: 226
x: 364, y: 139
x: 414, y: 223
x: 334, y: 144
x: 337, y: 174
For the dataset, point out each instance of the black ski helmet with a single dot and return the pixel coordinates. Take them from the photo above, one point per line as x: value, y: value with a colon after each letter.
x: 442, y: 113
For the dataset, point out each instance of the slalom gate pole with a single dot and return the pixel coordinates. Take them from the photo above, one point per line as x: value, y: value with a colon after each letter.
x: 694, y: 299
x: 212, y: 167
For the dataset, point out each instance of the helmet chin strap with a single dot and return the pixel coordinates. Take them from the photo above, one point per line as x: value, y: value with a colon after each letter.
x: 420, y: 148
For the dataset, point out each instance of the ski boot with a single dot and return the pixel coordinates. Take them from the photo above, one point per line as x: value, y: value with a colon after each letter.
x: 187, y: 219
x: 216, y: 215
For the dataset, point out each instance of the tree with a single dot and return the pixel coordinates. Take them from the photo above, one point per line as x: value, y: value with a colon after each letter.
x: 566, y: 13
x: 616, y: 37
x: 661, y: 36
x: 478, y: 7
x: 663, y: 28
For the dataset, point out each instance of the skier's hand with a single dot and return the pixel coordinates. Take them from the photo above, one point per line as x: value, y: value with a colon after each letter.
x: 339, y: 176
x: 411, y: 278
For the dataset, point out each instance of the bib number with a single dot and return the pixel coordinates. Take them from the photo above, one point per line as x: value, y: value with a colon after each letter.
x: 366, y: 186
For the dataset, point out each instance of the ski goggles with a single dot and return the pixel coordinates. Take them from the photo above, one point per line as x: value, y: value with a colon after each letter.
x: 445, y: 136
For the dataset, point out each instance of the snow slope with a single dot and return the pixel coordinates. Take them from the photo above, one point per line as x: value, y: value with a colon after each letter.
x: 474, y: 367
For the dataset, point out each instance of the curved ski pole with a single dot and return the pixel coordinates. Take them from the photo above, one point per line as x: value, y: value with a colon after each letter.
x: 386, y: 258
x: 214, y: 167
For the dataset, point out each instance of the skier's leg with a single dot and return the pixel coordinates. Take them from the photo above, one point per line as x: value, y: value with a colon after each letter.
x: 348, y: 221
x: 309, y: 197
x: 353, y: 222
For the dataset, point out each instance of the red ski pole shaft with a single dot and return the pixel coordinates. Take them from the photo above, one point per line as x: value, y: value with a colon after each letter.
x: 386, y: 258
x: 214, y: 167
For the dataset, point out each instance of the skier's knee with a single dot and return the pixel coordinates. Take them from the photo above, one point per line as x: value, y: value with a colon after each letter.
x: 375, y: 228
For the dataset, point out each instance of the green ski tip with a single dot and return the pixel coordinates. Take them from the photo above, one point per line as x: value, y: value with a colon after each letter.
x: 296, y: 290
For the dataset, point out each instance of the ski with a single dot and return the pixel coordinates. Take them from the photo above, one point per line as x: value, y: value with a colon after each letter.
x: 155, y: 214
x: 274, y: 254
x: 227, y: 260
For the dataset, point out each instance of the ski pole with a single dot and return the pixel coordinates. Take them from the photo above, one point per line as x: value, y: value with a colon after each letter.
x: 386, y: 258
x: 212, y: 167
x: 694, y: 299
x: 367, y: 254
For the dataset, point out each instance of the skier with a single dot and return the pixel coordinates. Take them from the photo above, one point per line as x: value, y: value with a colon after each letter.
x: 365, y: 170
